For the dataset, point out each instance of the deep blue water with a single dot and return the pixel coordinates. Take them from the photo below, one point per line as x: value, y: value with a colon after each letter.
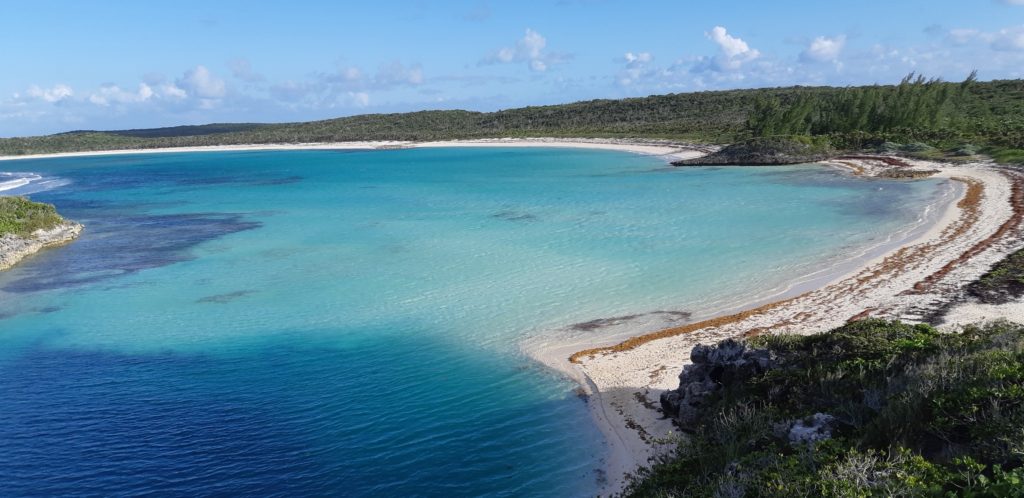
x: 352, y: 323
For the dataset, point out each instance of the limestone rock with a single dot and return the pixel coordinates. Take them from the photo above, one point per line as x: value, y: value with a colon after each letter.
x: 13, y: 248
x: 711, y: 367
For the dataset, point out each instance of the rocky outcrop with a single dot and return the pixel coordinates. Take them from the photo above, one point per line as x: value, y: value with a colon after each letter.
x: 713, y: 366
x: 14, y: 248
x: 763, y: 151
x: 807, y: 431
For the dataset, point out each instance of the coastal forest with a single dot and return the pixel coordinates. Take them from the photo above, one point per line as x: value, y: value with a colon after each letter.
x: 918, y: 115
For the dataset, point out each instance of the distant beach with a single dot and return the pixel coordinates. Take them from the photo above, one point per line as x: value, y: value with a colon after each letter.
x: 670, y: 150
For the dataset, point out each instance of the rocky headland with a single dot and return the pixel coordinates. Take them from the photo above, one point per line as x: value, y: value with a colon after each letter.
x: 14, y: 247
x: 766, y: 151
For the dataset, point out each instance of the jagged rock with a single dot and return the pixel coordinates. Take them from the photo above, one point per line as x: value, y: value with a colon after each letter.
x: 711, y: 367
x: 764, y: 151
x: 14, y: 248
x: 815, y: 428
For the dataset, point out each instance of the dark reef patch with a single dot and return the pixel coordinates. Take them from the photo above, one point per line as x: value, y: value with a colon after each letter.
x: 600, y: 323
x: 278, y: 181
x: 224, y: 298
x: 514, y: 216
x: 118, y: 244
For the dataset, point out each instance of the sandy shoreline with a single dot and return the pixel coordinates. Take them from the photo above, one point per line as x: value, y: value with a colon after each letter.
x: 669, y: 150
x: 907, y: 281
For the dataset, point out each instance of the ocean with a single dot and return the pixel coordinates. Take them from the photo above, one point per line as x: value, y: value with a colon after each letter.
x: 353, y: 322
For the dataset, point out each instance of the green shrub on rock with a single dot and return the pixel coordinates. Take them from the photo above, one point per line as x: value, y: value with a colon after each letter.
x: 892, y: 409
x: 21, y: 216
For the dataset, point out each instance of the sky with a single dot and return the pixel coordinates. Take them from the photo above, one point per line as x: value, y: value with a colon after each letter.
x: 85, y: 64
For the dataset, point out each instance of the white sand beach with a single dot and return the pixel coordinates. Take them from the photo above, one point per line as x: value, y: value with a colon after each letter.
x: 906, y: 282
x: 670, y: 150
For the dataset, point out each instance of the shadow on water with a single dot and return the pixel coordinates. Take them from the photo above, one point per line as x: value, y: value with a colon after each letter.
x: 276, y: 417
x: 225, y: 298
x: 96, y: 422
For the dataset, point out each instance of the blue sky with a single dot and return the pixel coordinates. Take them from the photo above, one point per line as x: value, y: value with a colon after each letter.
x: 108, y: 65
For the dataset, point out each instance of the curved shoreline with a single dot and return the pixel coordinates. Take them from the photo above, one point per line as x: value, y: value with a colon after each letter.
x: 670, y: 150
x: 970, y: 236
x: 624, y: 382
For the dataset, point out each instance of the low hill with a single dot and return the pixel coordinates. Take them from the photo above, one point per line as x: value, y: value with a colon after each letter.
x: 985, y: 115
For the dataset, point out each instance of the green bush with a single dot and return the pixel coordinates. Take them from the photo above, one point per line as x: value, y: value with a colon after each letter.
x: 917, y: 413
x: 966, y: 150
x: 1006, y: 155
x: 21, y: 216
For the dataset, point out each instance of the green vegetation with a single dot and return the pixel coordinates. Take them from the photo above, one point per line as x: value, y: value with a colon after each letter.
x: 1003, y: 283
x: 1006, y: 155
x: 915, y: 412
x: 21, y: 216
x: 949, y: 118
x: 913, y: 104
x: 929, y: 119
x: 791, y: 149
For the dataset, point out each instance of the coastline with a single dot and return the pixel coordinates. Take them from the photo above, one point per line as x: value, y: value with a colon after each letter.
x: 907, y: 280
x: 671, y: 151
x: 14, y: 248
x: 624, y: 384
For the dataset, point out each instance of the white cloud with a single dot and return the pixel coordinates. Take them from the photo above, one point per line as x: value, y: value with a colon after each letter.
x: 242, y: 69
x: 823, y: 49
x: 395, y: 74
x: 532, y: 44
x: 359, y: 99
x: 733, y: 52
x: 1009, y: 39
x: 353, y: 79
x: 171, y: 91
x: 351, y: 74
x: 110, y: 93
x: 961, y: 36
x: 506, y: 55
x: 529, y: 49
x: 200, y: 82
x: 1013, y: 2
x: 635, y: 70
x: 347, y: 87
x: 289, y: 91
x: 732, y: 47
x: 642, y: 57
x: 57, y: 93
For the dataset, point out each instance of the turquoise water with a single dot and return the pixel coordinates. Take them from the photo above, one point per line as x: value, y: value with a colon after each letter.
x: 328, y: 322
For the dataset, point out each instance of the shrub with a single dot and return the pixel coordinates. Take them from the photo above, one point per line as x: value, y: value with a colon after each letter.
x: 916, y: 412
x: 21, y: 216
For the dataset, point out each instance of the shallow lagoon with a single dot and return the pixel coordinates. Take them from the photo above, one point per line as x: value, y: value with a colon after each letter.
x: 341, y: 322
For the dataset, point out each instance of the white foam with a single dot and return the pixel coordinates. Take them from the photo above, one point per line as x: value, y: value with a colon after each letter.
x: 25, y: 183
